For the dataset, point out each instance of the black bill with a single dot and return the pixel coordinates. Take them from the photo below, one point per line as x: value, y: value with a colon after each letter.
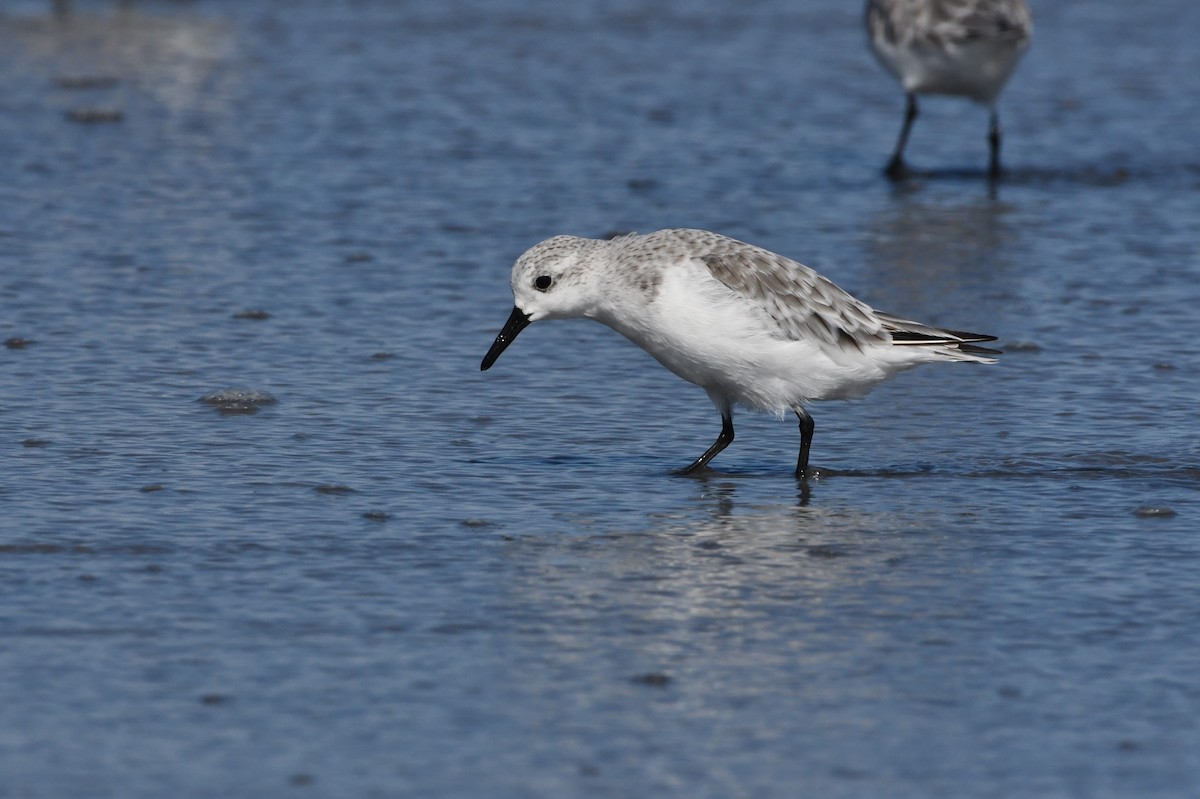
x: 517, y: 322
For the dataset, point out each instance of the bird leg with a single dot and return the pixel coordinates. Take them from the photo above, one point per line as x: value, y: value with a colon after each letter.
x: 806, y: 434
x: 896, y: 168
x: 721, y: 443
x: 994, y: 145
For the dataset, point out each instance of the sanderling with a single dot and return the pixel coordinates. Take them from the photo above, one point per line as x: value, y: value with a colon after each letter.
x: 959, y: 47
x: 748, y: 326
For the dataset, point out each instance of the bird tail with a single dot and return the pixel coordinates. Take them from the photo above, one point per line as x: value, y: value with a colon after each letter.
x: 953, y: 344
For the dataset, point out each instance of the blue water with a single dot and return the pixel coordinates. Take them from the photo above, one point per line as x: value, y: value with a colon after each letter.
x: 407, y: 578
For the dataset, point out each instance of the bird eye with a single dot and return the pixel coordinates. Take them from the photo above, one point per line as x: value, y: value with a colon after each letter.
x: 542, y: 282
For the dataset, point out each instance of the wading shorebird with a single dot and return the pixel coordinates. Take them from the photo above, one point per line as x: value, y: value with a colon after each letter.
x: 748, y: 326
x: 966, y: 48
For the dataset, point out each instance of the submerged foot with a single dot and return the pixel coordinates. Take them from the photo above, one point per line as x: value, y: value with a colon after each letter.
x: 810, y: 473
x: 896, y: 169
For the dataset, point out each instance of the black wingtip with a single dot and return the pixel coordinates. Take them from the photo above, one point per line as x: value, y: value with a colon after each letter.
x: 940, y: 337
x: 960, y: 340
x: 971, y: 349
x: 970, y: 337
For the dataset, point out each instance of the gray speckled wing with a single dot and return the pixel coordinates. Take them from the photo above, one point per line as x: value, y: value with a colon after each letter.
x: 937, y: 23
x: 800, y: 303
x: 989, y: 19
x: 882, y: 23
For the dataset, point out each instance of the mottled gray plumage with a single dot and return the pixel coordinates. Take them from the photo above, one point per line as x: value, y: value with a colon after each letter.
x: 800, y: 303
x: 967, y: 48
x: 749, y: 326
x: 942, y: 24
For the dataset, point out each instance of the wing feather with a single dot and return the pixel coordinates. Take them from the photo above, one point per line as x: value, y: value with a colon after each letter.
x: 795, y: 302
x: 799, y: 303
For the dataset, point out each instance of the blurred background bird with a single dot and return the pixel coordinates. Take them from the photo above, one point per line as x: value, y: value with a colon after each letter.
x: 965, y: 48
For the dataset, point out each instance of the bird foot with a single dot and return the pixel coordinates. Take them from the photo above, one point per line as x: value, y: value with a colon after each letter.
x: 896, y: 169
x: 810, y: 473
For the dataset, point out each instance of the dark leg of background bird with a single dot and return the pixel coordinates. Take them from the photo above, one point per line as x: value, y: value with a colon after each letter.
x: 994, y: 145
x: 806, y: 434
x: 896, y: 168
x: 721, y: 443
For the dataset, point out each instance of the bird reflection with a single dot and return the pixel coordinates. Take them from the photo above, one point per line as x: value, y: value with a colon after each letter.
x: 926, y: 256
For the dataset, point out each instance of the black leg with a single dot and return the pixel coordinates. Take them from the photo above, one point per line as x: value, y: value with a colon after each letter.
x: 896, y: 168
x: 994, y: 145
x: 806, y: 434
x: 721, y: 443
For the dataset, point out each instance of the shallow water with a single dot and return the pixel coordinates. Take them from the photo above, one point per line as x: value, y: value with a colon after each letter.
x: 406, y: 578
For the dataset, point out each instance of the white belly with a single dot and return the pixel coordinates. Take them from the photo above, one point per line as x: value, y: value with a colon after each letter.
x: 698, y: 331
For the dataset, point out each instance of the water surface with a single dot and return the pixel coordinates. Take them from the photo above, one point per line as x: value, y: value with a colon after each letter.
x: 407, y: 578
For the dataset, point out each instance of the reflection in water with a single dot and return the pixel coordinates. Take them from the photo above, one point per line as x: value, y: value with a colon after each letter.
x: 928, y: 257
x: 720, y: 608
x: 721, y: 489
x: 719, y: 565
x: 175, y: 57
x: 1114, y: 171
